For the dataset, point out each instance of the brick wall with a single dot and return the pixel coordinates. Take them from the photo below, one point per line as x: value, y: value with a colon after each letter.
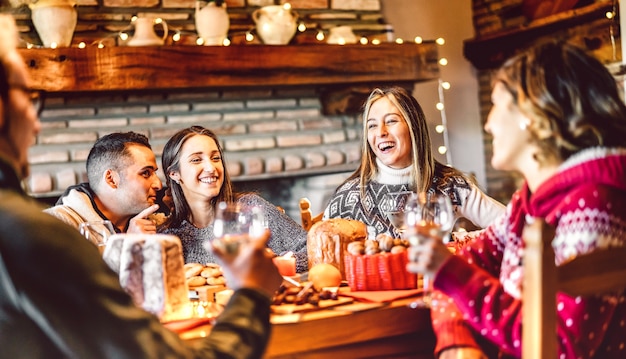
x: 265, y: 133
x: 277, y: 141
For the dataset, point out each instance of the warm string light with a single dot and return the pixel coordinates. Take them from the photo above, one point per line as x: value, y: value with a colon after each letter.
x: 440, y: 106
x: 177, y: 36
x: 443, y: 127
x: 611, y: 16
x: 320, y: 36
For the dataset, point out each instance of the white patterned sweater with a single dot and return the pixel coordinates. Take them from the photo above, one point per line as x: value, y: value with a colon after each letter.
x: 586, y: 202
x: 467, y: 199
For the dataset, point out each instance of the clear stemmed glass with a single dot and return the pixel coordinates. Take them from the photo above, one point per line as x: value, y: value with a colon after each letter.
x: 97, y: 232
x: 427, y: 216
x: 392, y: 205
x: 233, y: 222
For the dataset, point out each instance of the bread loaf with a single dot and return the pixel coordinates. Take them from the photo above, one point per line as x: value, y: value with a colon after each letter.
x: 151, y: 270
x: 327, y: 241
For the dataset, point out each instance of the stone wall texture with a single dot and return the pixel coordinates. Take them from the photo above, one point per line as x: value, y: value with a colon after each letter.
x: 277, y: 140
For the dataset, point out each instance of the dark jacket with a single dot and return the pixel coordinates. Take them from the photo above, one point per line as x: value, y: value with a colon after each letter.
x: 58, y: 299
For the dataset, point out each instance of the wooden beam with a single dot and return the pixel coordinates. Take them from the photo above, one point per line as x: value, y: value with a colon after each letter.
x: 488, y: 52
x: 69, y: 70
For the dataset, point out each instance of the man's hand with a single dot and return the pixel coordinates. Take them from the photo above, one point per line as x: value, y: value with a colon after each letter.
x: 251, y: 266
x: 141, y: 224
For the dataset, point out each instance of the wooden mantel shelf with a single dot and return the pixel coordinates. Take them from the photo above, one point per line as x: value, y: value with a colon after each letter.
x: 488, y: 52
x: 72, y: 70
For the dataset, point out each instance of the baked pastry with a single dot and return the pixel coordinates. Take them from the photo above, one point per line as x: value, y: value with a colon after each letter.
x: 151, y: 270
x: 327, y: 241
x: 203, y: 274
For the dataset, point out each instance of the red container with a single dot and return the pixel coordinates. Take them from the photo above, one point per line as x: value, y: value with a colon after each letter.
x: 383, y: 271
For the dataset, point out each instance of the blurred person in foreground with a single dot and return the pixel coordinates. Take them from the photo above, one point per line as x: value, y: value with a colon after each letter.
x: 123, y: 186
x: 558, y: 119
x: 58, y: 299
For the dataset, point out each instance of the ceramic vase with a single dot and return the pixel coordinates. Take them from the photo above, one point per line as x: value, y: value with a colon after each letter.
x: 55, y: 21
x: 212, y: 23
x: 275, y: 24
x: 145, y: 34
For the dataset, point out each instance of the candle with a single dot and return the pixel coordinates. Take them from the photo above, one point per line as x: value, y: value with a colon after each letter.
x: 286, y: 265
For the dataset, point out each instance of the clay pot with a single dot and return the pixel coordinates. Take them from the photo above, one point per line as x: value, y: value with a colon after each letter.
x: 55, y: 21
x: 212, y: 23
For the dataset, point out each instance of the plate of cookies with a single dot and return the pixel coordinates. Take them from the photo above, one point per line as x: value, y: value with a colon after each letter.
x: 205, y: 280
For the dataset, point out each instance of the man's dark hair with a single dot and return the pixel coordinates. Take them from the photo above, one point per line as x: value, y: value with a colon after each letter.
x: 111, y: 152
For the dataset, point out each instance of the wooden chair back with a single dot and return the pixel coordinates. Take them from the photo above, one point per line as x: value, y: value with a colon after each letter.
x: 601, y: 271
x: 308, y: 219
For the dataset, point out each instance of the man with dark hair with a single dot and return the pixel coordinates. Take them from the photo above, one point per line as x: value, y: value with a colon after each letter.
x: 123, y: 186
x: 58, y: 299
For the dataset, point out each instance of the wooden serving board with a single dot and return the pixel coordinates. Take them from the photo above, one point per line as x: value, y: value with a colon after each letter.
x: 207, y: 292
x: 300, y: 308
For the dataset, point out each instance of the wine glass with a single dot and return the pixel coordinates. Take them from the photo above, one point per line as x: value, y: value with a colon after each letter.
x: 97, y: 232
x: 392, y: 205
x: 233, y: 224
x: 428, y: 215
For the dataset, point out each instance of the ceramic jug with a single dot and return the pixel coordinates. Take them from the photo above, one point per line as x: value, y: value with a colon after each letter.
x: 212, y: 23
x: 55, y: 21
x: 341, y: 35
x: 275, y: 24
x: 145, y: 34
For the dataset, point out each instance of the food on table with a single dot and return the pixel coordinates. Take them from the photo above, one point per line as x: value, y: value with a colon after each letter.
x: 302, y: 295
x: 324, y: 275
x: 197, y: 275
x: 151, y: 269
x: 383, y: 243
x: 378, y: 264
x: 327, y: 240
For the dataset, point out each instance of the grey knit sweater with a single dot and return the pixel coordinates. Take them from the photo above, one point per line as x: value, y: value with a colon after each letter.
x: 287, y: 235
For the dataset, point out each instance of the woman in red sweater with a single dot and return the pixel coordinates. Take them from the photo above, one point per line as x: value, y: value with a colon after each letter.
x: 558, y: 119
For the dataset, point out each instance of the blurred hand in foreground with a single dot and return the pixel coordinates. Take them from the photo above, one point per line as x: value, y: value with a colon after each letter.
x: 251, y: 266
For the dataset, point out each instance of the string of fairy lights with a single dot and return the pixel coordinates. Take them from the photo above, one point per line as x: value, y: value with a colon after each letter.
x: 320, y: 36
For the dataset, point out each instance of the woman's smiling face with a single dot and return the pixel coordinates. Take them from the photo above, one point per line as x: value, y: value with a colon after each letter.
x: 388, y: 134
x: 201, y: 168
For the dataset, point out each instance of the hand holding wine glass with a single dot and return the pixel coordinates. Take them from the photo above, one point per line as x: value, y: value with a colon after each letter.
x: 429, y: 220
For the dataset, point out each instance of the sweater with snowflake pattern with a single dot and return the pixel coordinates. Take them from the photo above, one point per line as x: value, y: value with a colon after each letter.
x: 467, y: 199
x: 480, y: 288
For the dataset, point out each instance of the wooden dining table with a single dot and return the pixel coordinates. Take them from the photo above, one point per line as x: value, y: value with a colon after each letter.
x: 360, y: 330
x: 353, y: 330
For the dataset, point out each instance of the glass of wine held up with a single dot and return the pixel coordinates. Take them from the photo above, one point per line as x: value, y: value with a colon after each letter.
x: 234, y: 222
x: 97, y: 232
x: 392, y: 205
x: 427, y: 215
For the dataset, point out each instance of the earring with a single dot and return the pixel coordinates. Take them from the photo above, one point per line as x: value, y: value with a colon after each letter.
x: 524, y: 125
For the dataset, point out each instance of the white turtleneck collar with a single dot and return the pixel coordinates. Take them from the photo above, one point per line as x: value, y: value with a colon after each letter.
x: 388, y: 175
